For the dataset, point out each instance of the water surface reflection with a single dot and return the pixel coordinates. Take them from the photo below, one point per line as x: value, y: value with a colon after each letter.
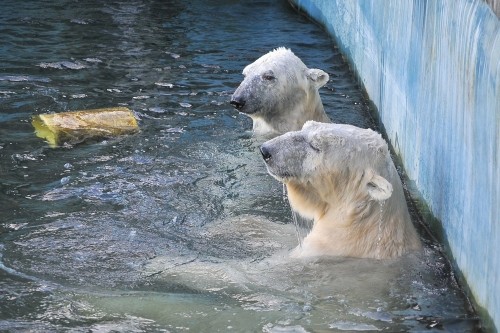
x: 178, y: 227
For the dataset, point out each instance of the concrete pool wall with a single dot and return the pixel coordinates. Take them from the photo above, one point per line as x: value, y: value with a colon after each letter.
x: 432, y: 69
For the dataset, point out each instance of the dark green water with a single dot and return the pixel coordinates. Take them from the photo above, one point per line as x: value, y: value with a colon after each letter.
x: 178, y: 227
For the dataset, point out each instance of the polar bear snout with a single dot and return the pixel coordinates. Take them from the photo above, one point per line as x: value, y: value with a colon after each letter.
x: 266, y: 153
x: 237, y: 101
x: 276, y: 161
x: 271, y: 159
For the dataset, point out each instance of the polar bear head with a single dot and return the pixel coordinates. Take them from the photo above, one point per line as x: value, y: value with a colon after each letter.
x: 343, y: 178
x: 280, y: 93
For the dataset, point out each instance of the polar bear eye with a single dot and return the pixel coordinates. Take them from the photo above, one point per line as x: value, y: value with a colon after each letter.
x: 268, y: 76
x: 315, y: 143
x: 314, y: 146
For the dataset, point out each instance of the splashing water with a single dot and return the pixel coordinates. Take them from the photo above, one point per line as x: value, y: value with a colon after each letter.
x: 381, y: 204
x: 300, y: 231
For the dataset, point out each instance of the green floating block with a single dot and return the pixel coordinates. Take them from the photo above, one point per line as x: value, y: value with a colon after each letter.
x: 77, y: 126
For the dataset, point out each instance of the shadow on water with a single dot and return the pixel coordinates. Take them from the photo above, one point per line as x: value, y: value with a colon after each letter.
x: 179, y: 226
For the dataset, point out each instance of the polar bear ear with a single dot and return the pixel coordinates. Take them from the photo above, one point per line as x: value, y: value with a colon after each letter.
x: 378, y: 187
x: 310, y: 124
x: 318, y: 77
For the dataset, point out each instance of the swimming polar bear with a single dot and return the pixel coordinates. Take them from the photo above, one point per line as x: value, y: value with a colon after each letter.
x: 343, y: 178
x: 280, y: 93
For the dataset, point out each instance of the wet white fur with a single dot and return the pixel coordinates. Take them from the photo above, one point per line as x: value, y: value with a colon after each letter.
x: 290, y: 101
x: 343, y: 178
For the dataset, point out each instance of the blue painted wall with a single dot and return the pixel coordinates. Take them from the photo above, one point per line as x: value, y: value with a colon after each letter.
x: 432, y: 68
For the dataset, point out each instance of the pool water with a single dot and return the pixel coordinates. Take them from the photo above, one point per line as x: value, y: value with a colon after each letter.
x: 179, y: 227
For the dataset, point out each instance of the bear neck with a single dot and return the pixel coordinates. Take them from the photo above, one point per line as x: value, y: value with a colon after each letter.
x: 353, y: 225
x: 312, y: 110
x: 347, y: 230
x: 273, y: 124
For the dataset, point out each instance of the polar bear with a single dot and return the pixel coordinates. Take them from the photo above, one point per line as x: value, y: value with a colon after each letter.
x: 343, y: 178
x: 280, y: 93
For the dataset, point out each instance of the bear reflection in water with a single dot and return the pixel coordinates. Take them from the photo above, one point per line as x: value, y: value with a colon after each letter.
x: 343, y: 178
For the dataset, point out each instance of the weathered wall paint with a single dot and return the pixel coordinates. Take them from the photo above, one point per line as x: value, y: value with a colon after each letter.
x: 432, y: 68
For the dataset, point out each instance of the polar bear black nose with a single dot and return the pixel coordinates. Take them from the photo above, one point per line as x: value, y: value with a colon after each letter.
x: 237, y: 102
x: 266, y: 154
